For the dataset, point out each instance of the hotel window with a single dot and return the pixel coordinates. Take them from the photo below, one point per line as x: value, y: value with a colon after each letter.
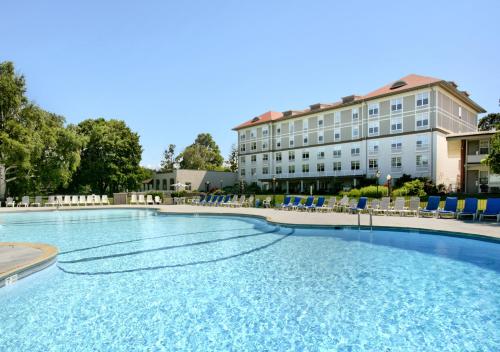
x: 291, y: 156
x: 242, y: 160
x: 460, y: 112
x: 422, y: 120
x: 396, y: 105
x: 264, y: 145
x: 336, y: 134
x: 320, y: 167
x: 291, y: 169
x: 320, y: 122
x: 373, y: 129
x: 396, y: 125
x: 422, y: 99
x: 265, y: 157
x: 290, y: 142
x: 320, y: 137
x: 253, y: 171
x: 337, y: 153
x: 355, y: 151
x: 336, y: 117
x: 355, y: 165
x: 422, y: 142
x: 422, y: 160
x: 164, y: 184
x: 278, y: 170
x: 396, y: 146
x: 373, y: 147
x: 253, y: 158
x: 265, y: 132
x: 253, y: 146
x: 396, y: 162
x: 355, y: 132
x: 372, y: 164
x: 291, y: 127
x: 305, y: 168
x: 278, y: 157
x: 265, y: 170
x: 242, y: 172
x: 305, y: 155
x: 355, y: 115
x: 305, y: 125
x: 337, y: 166
x: 306, y: 140
x: 278, y: 143
x: 252, y: 133
x: 484, y: 146
x: 278, y: 129
x: 321, y: 155
x: 373, y: 110
x: 242, y: 136
x: 243, y: 148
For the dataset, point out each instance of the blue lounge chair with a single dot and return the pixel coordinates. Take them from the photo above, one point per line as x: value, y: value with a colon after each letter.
x: 470, y: 209
x: 450, y: 207
x: 492, y: 209
x: 319, y: 204
x: 360, y: 206
x: 225, y: 200
x: 295, y: 204
x: 219, y: 201
x: 198, y: 201
x: 215, y: 200
x: 286, y: 203
x: 207, y: 200
x: 432, y: 206
x: 309, y: 202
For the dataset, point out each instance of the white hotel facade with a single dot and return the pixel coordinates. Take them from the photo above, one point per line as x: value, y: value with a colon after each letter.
x: 401, y: 128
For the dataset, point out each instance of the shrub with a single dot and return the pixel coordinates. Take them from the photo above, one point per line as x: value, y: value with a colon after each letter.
x: 154, y: 194
x: 412, y: 188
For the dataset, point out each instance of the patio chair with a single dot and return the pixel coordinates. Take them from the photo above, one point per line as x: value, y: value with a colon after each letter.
x: 104, y: 199
x: 51, y: 201
x: 432, y: 206
x: 285, y: 203
x: 267, y: 202
x: 413, y: 208
x: 133, y: 198
x: 67, y: 201
x: 10, y: 202
x: 398, y: 208
x: 360, y: 206
x: 330, y: 204
x: 157, y: 200
x: 59, y: 200
x: 309, y: 201
x: 239, y: 203
x: 225, y: 201
x: 97, y: 200
x: 25, y: 202
x: 206, y: 200
x: 248, y: 202
x: 470, y: 209
x: 81, y: 200
x: 37, y: 202
x: 450, y: 208
x: 374, y: 204
x: 383, y: 206
x: 89, y: 200
x: 141, y: 200
x: 492, y: 209
x: 231, y: 201
x: 196, y: 200
x: 74, y: 200
x: 214, y: 201
x: 149, y: 200
x: 342, y: 204
x: 219, y: 200
x: 319, y: 204
x: 295, y: 204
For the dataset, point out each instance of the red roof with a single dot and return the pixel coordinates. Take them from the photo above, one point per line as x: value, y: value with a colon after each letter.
x: 412, y: 81
x: 265, y: 117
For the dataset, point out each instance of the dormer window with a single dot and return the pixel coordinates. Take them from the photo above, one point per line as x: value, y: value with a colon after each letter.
x: 398, y: 84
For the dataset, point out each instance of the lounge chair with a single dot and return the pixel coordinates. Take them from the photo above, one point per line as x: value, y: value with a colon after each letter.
x: 374, y: 204
x: 67, y: 201
x: 492, y: 209
x: 81, y: 200
x: 432, y: 206
x: 59, y: 200
x: 205, y: 201
x: 74, y: 200
x: 51, y: 201
x: 219, y: 200
x: 225, y: 201
x: 399, y: 207
x: 267, y: 202
x: 319, y: 204
x: 97, y: 200
x: 197, y: 200
x: 248, y: 202
x: 133, y: 198
x: 470, y: 209
x: 231, y: 200
x: 215, y: 200
x: 157, y: 200
x: 149, y: 200
x: 90, y: 200
x: 383, y: 206
x: 413, y: 208
x: 25, y: 202
x: 285, y: 203
x: 10, y: 202
x: 342, y: 204
x: 104, y: 199
x: 37, y: 202
x: 360, y: 206
x: 307, y: 204
x: 330, y: 204
x: 450, y: 207
x: 141, y: 199
x: 295, y: 204
x: 240, y: 202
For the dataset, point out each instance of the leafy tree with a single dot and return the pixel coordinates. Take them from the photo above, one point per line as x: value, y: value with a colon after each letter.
x: 493, y: 159
x: 110, y: 159
x: 168, y: 162
x: 145, y: 173
x: 233, y: 158
x: 489, y: 122
x: 203, y: 154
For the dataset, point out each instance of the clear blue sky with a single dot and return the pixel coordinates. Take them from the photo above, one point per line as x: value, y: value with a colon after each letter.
x: 172, y: 69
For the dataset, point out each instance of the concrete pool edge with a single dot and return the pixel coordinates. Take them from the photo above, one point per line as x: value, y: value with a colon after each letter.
x: 14, y: 272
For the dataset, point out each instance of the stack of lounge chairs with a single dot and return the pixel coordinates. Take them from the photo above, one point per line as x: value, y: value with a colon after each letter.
x: 59, y: 201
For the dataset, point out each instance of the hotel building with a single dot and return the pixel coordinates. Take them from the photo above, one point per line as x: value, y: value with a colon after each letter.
x: 400, y: 128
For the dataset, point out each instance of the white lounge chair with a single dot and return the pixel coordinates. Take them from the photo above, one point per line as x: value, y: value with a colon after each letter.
x: 74, y: 200
x: 399, y: 207
x: 248, y: 202
x: 37, y: 202
x: 343, y: 204
x: 413, y: 208
x: 51, y: 201
x: 239, y: 202
x: 59, y: 200
x: 10, y: 202
x: 133, y: 198
x: 82, y: 200
x: 104, y: 199
x: 90, y: 200
x: 157, y: 200
x: 383, y: 206
x: 97, y: 200
x: 149, y: 200
x: 141, y: 199
x: 25, y: 202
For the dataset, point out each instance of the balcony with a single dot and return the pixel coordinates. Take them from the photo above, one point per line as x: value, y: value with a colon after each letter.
x: 475, y: 158
x: 316, y: 174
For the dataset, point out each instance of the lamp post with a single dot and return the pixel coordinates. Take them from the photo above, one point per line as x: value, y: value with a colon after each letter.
x: 274, y: 190
x: 389, y: 178
x: 208, y: 186
x: 378, y: 179
x: 221, y: 185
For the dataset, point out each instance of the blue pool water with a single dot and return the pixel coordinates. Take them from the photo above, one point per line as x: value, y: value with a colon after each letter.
x: 127, y: 280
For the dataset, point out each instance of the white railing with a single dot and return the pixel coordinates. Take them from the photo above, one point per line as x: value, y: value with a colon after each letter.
x: 320, y: 174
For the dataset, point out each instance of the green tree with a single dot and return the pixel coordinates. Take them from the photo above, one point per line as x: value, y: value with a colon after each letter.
x: 167, y: 164
x: 489, y: 122
x: 110, y: 159
x: 203, y: 154
x: 493, y: 159
x: 233, y: 158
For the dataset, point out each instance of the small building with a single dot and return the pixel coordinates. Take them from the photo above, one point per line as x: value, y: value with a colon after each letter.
x: 190, y: 180
x: 473, y: 147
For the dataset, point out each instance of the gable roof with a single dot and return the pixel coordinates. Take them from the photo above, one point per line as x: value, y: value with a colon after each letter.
x: 408, y: 82
x: 265, y: 117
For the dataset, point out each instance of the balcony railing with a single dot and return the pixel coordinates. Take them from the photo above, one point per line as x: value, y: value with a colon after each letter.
x: 317, y: 174
x: 476, y: 158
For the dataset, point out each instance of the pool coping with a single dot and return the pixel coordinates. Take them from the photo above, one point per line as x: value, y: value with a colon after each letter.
x: 20, y: 271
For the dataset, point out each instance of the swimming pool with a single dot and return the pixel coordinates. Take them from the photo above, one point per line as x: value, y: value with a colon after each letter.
x: 131, y: 280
